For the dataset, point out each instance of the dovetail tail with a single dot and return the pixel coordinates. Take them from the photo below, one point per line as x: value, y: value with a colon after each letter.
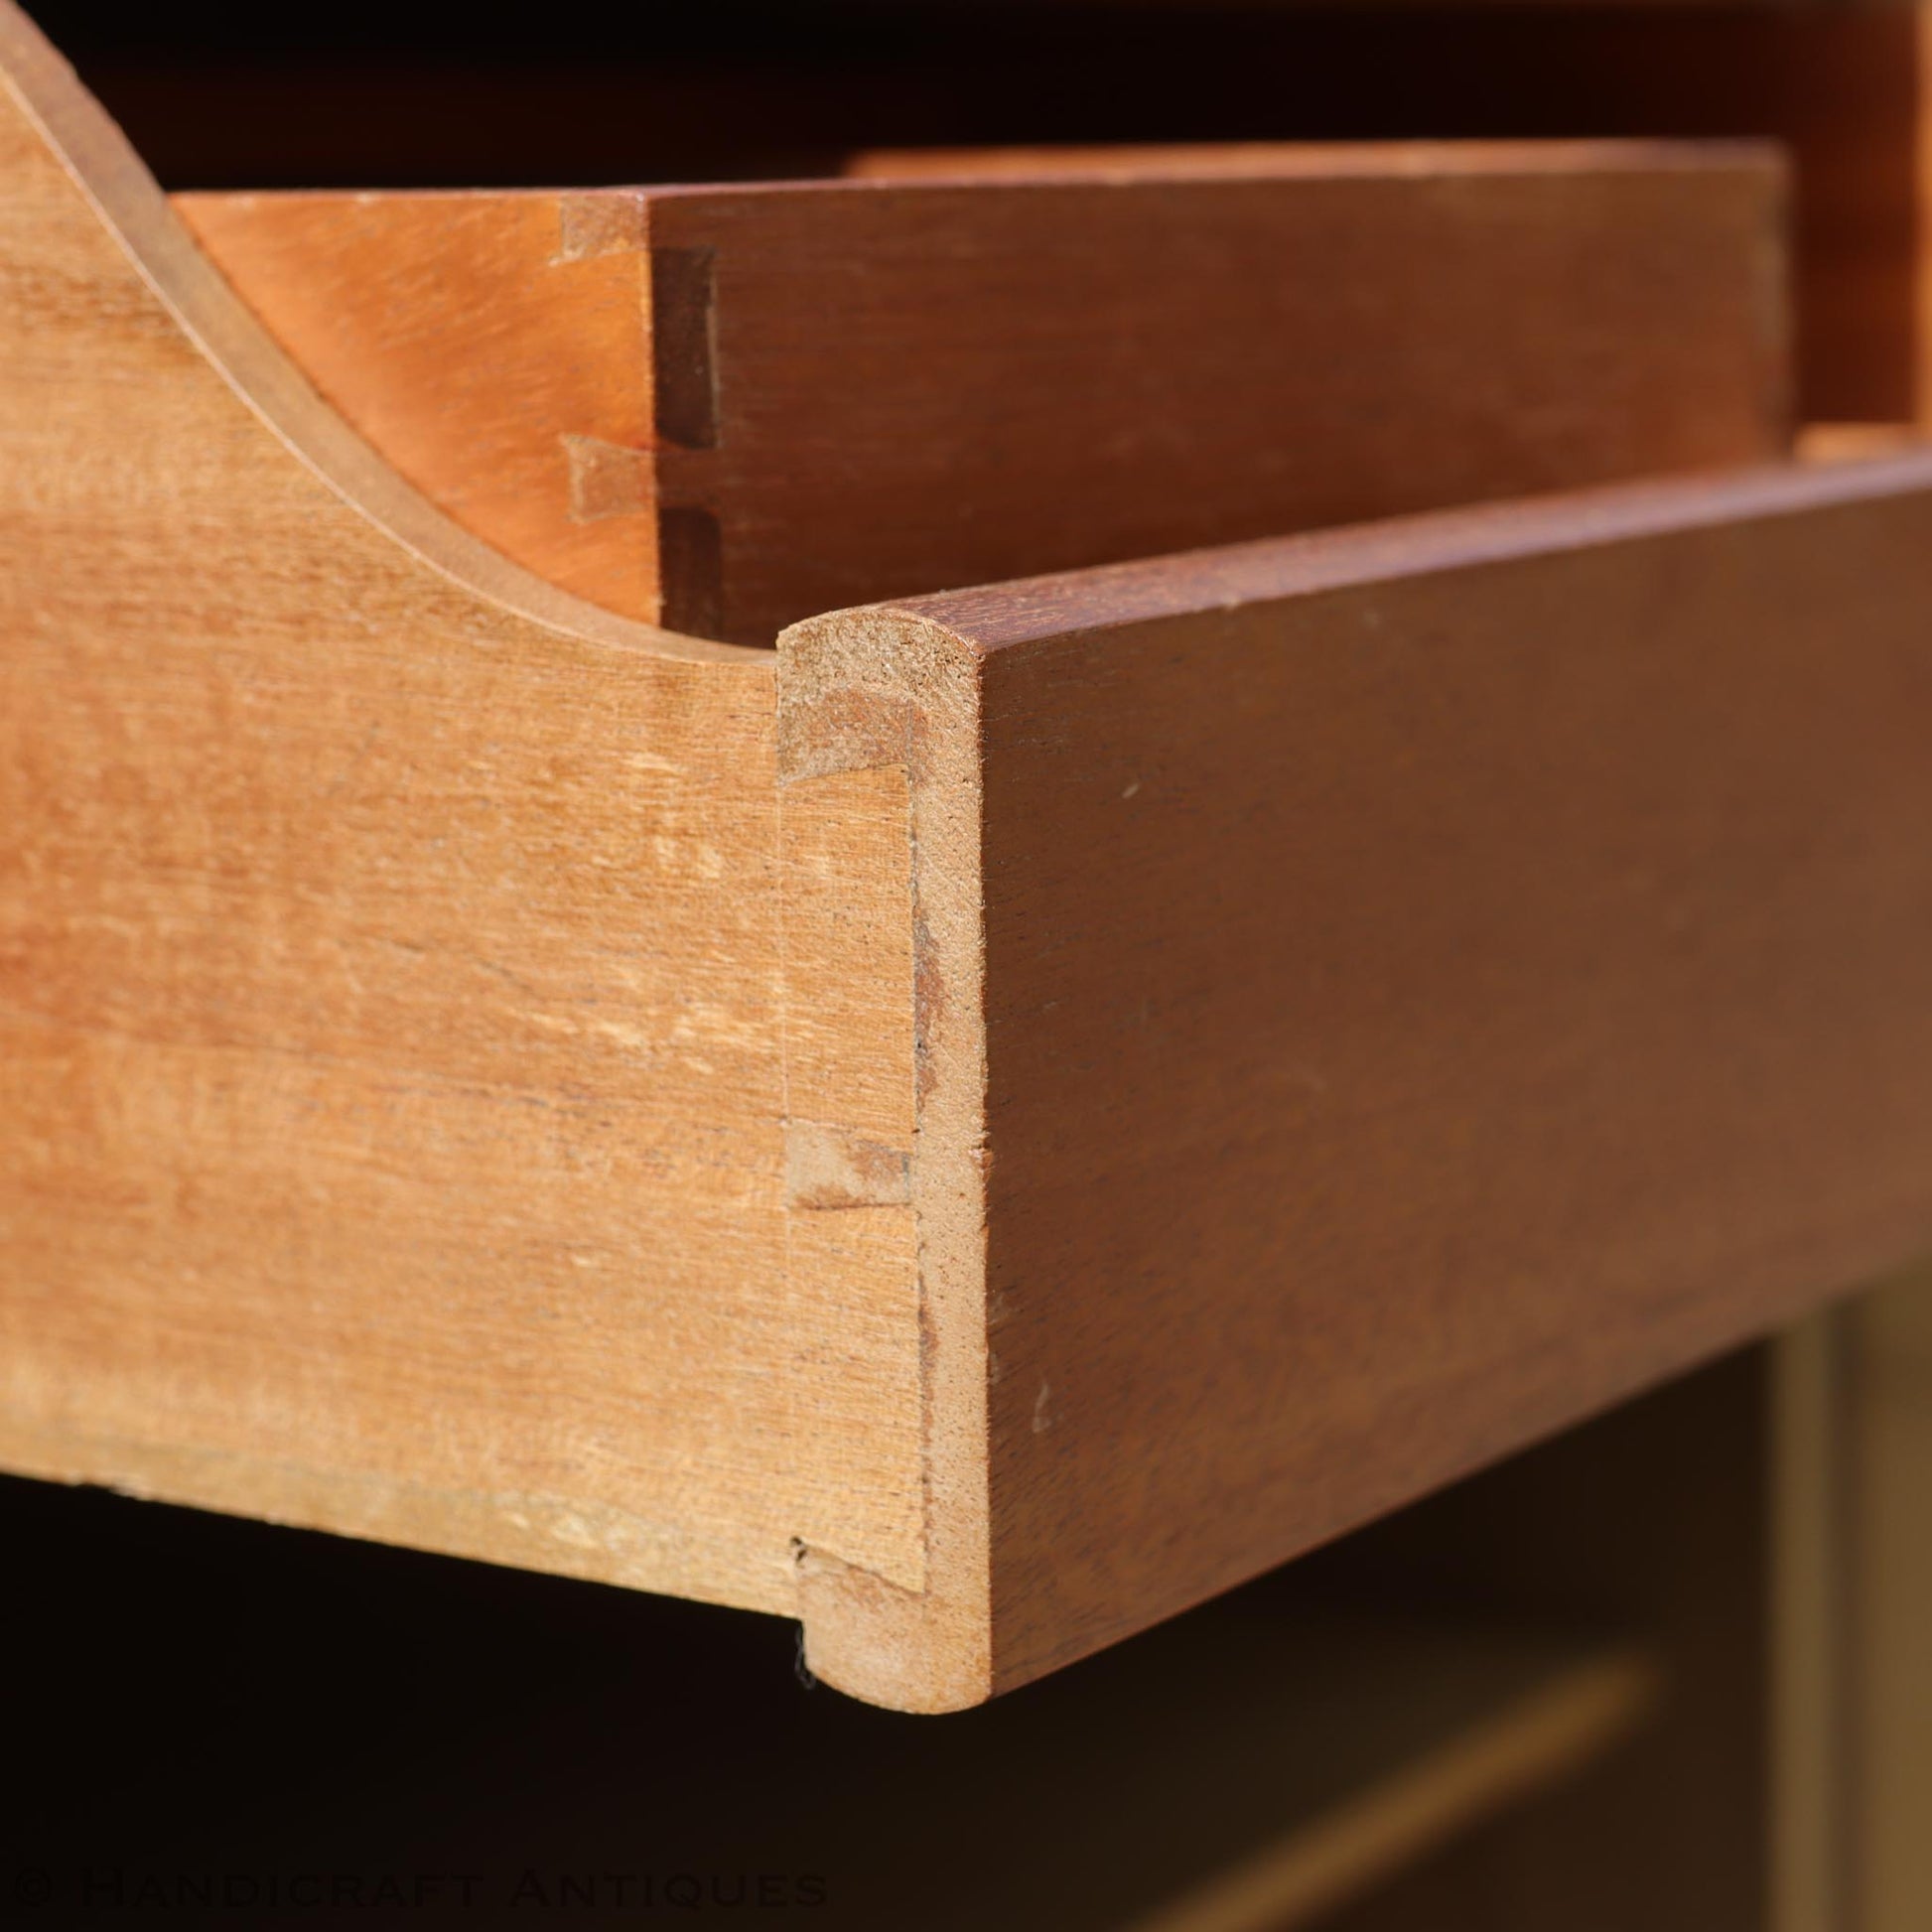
x: 607, y: 479
x: 599, y: 224
x: 831, y: 1168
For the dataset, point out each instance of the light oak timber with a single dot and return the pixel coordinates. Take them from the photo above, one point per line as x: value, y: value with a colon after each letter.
x: 729, y: 408
x: 390, y: 981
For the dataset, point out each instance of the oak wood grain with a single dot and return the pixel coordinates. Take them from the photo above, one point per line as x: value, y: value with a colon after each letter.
x: 389, y: 983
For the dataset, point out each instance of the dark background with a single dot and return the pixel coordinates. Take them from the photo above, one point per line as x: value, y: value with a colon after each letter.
x: 188, y: 1697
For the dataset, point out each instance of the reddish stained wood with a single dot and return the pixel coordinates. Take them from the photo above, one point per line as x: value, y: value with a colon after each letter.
x: 1404, y: 989
x: 818, y: 394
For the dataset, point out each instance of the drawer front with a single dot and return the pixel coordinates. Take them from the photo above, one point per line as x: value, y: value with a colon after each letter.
x: 1410, y: 987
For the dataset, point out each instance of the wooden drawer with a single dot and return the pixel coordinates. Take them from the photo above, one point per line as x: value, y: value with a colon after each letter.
x: 729, y: 409
x: 979, y: 1129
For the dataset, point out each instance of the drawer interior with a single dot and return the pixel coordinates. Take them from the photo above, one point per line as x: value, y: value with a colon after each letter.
x: 726, y: 410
